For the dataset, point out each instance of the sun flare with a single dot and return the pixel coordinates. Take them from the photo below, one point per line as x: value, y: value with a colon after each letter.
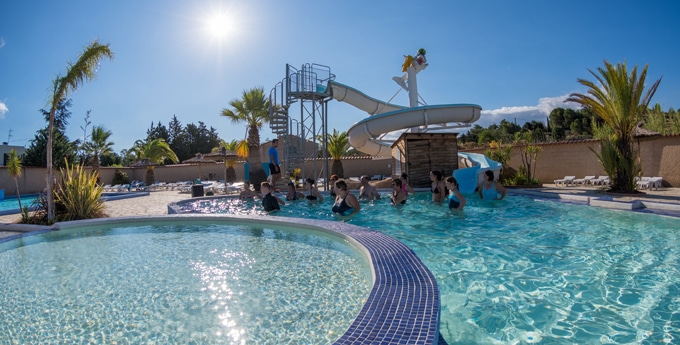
x: 220, y: 26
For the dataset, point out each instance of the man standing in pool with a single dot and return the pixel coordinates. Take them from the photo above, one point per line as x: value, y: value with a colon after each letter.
x: 274, y: 168
x: 367, y: 192
x: 269, y: 201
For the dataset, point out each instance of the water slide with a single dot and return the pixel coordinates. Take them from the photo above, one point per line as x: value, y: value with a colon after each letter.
x: 476, y: 164
x: 386, y: 117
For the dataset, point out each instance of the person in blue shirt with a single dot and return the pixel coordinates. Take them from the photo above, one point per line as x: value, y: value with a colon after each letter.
x: 456, y: 199
x: 489, y: 189
x: 274, y: 168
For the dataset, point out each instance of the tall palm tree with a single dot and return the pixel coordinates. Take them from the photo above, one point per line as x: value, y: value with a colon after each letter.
x: 83, y: 70
x: 617, y: 98
x: 338, y: 144
x: 98, y: 145
x: 14, y: 170
x: 253, y: 109
x: 155, y: 152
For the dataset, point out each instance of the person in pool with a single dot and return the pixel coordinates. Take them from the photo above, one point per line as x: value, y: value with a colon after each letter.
x: 314, y: 193
x: 438, y: 187
x: 247, y: 193
x: 292, y: 193
x: 405, y: 186
x: 398, y: 193
x: 367, y: 192
x: 345, y: 202
x: 456, y: 199
x: 270, y: 202
x: 489, y: 189
x: 333, y: 178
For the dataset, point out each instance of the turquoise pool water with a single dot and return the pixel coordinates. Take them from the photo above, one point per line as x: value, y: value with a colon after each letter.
x: 195, y: 283
x: 530, y: 271
x: 11, y: 203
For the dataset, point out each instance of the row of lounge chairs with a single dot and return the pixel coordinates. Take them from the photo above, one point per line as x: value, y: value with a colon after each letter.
x: 567, y: 181
x: 642, y: 182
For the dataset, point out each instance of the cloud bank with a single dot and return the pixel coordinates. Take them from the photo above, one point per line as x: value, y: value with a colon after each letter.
x: 527, y: 113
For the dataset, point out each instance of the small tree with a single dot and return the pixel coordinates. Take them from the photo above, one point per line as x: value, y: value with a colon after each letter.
x: 14, y: 170
x: 529, y: 154
x: 338, y: 144
x: 500, y: 153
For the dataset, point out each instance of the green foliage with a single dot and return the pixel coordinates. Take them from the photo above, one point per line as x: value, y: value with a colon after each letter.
x: 98, y: 145
x: 120, y: 177
x: 187, y: 140
x: 79, y: 194
x: 14, y: 170
x: 619, y: 99
x: 666, y: 123
x: 36, y: 154
x: 500, y: 153
x: 253, y: 110
x: 529, y: 152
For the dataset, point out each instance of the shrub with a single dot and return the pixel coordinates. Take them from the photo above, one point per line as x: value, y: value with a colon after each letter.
x: 79, y: 194
x: 120, y: 177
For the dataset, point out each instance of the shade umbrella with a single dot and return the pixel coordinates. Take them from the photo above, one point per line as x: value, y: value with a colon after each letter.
x: 199, y: 160
x: 223, y: 155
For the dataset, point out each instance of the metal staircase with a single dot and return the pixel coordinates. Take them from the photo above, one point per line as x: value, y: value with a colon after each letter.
x: 298, y: 116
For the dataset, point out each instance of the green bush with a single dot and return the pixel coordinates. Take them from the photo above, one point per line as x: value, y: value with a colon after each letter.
x: 120, y: 177
x: 79, y: 194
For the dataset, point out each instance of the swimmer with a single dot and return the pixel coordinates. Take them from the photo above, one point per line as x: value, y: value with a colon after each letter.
x: 270, y: 202
x: 367, y: 192
x: 292, y: 193
x: 438, y: 187
x: 456, y: 199
x: 314, y: 193
x: 398, y: 194
x: 489, y: 189
x: 345, y: 202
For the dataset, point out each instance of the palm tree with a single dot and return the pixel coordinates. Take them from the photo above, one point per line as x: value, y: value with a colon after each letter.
x: 241, y: 149
x: 98, y: 145
x: 617, y: 98
x: 155, y: 152
x: 14, y: 170
x: 253, y: 109
x: 338, y: 144
x: 83, y: 70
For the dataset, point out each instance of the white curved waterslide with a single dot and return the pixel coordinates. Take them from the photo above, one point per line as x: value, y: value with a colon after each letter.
x: 387, y: 118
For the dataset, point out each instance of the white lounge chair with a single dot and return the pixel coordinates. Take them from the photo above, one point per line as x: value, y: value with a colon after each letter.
x: 656, y: 182
x: 602, y: 180
x: 566, y: 181
x: 584, y: 181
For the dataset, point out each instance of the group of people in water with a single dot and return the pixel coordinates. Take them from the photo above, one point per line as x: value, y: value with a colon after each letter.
x: 444, y: 191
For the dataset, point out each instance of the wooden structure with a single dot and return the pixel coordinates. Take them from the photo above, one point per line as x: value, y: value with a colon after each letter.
x: 416, y: 154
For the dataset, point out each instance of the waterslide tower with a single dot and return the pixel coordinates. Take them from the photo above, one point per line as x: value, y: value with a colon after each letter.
x: 299, y: 118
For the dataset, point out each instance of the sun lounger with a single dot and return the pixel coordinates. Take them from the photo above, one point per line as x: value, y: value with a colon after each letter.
x: 584, y: 181
x: 566, y: 181
x: 602, y: 180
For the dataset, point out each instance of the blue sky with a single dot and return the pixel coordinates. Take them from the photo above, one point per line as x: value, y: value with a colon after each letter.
x: 516, y: 59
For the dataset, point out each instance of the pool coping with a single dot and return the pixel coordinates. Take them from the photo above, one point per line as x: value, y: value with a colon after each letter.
x: 403, y: 306
x: 108, y: 197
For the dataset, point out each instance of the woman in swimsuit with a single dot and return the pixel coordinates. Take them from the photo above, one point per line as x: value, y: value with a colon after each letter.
x: 456, y: 199
x: 438, y: 187
x: 292, y: 193
x: 345, y: 202
x: 490, y: 189
x: 405, y: 186
x: 314, y: 193
x: 398, y: 194
x: 247, y: 193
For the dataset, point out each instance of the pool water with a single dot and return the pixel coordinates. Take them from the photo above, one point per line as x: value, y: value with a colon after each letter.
x: 195, y: 283
x: 524, y: 271
x: 11, y: 203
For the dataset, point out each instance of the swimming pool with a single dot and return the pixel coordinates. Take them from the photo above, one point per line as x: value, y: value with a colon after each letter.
x: 181, y: 282
x: 10, y: 205
x: 529, y: 271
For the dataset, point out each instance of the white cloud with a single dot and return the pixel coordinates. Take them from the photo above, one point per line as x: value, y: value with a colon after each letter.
x: 2, y: 42
x: 526, y: 113
x: 3, y: 110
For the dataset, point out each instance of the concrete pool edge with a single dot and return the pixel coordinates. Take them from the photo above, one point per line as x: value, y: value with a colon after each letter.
x: 404, y: 303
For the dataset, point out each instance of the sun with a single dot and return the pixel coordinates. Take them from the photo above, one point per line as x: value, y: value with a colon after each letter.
x: 220, y: 26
